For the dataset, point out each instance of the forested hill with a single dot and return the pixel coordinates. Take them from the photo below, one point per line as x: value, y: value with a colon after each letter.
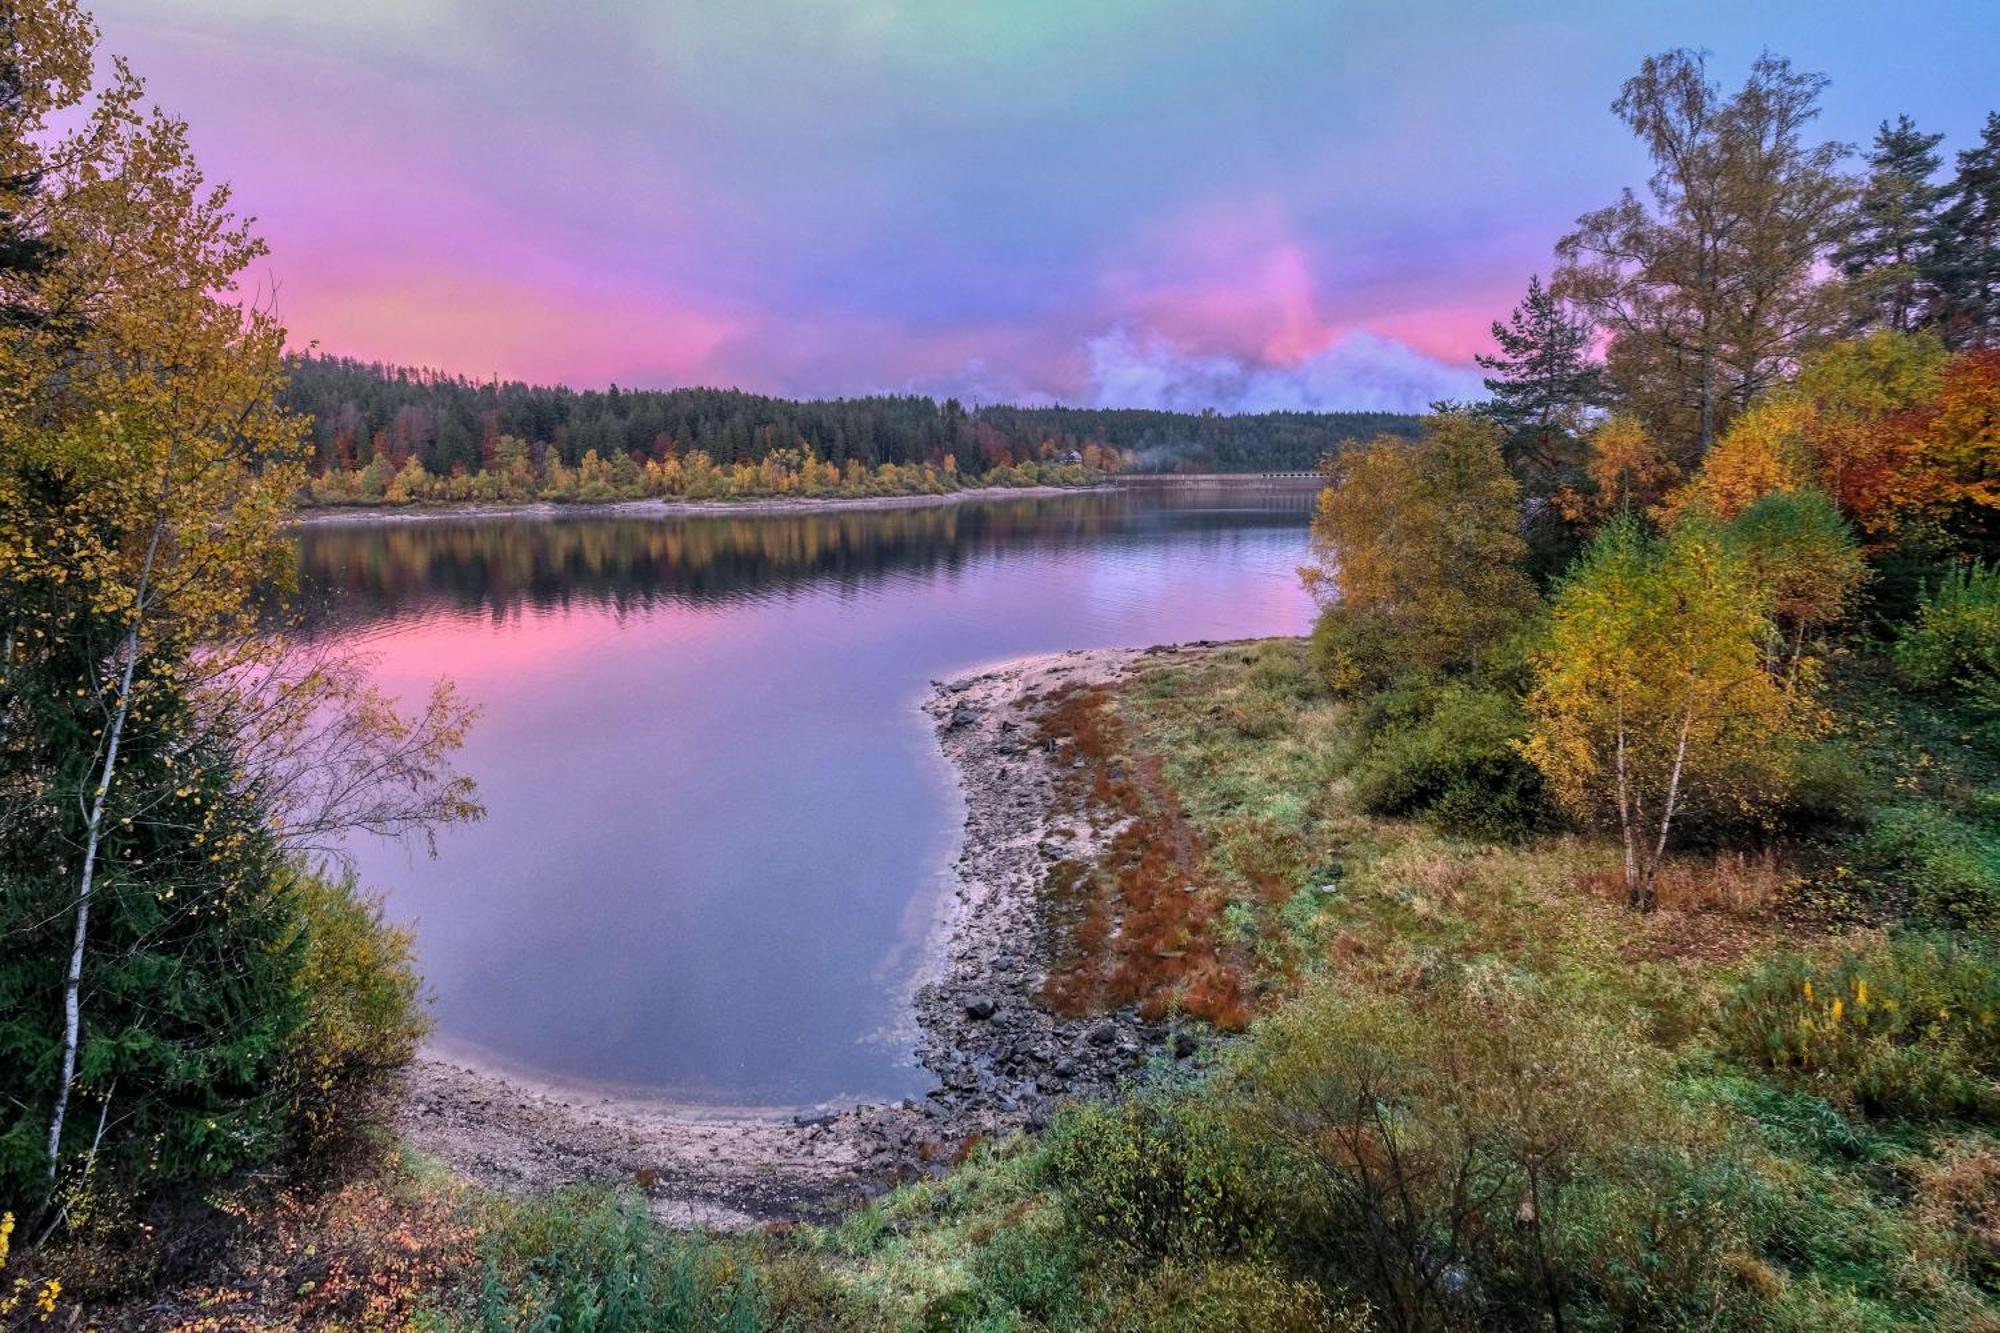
x: 364, y: 410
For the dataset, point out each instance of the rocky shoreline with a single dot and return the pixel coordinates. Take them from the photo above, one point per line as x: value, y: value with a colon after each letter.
x: 1002, y: 1059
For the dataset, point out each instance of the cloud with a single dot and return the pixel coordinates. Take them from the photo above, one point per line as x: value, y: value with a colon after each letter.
x: 1357, y: 371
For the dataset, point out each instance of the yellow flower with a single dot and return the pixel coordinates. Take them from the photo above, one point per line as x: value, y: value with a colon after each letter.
x: 1838, y: 1009
x: 1809, y: 998
x: 1861, y: 992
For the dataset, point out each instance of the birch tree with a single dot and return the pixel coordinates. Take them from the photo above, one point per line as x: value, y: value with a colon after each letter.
x: 145, y: 472
x: 1651, y: 692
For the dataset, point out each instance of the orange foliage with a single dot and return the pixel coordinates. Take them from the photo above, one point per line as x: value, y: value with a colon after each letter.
x: 362, y: 1257
x: 1961, y: 438
x: 1896, y: 434
x: 1628, y: 470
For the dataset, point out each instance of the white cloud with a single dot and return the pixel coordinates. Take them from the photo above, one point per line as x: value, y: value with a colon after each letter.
x: 1359, y: 372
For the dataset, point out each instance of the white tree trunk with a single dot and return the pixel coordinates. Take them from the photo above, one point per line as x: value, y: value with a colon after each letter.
x: 93, y: 837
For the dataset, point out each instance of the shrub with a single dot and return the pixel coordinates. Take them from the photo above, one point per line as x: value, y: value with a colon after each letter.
x: 1161, y: 1176
x: 1354, y: 654
x: 1199, y: 1298
x: 593, y: 1259
x: 1911, y: 1029
x: 1447, y: 752
x: 1471, y: 1153
x: 364, y: 1019
x: 1953, y: 644
x: 1942, y: 869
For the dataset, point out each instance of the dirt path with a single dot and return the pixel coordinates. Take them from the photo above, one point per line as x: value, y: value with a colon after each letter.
x: 1002, y: 1060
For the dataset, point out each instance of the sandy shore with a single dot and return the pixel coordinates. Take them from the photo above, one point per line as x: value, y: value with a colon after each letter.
x: 1002, y: 1061
x: 373, y: 514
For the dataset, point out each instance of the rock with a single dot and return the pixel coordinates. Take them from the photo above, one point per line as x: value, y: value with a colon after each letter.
x: 1103, y: 1034
x: 1181, y: 1044
x: 1064, y: 1068
x: 980, y: 1006
x: 961, y: 717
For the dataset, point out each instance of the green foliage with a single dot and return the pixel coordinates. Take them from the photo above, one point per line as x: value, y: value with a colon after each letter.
x: 1449, y: 752
x: 461, y: 430
x: 193, y: 995
x: 364, y: 1019
x: 1910, y: 1029
x: 1471, y: 1151
x: 1161, y: 1177
x: 1941, y: 869
x: 1418, y: 555
x: 1953, y: 644
x: 1654, y: 694
x: 1200, y: 1298
x: 1803, y: 554
x: 592, y: 1259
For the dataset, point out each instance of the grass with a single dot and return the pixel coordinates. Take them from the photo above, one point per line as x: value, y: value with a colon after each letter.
x: 1418, y: 1005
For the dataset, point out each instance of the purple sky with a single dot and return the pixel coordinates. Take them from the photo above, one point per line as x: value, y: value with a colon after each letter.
x: 1246, y: 206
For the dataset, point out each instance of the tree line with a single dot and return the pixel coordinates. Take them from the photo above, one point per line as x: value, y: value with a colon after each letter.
x: 450, y: 437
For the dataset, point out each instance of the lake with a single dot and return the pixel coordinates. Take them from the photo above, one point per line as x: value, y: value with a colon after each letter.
x: 718, y: 826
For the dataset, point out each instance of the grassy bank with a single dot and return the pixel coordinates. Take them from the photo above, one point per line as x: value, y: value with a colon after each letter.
x: 1474, y: 1086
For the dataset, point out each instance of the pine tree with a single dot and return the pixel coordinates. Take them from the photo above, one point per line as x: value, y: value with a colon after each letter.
x: 1966, y: 266
x: 1543, y: 380
x: 1888, y: 251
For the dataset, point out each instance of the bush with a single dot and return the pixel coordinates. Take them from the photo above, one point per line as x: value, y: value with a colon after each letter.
x: 1953, y: 644
x: 1354, y: 654
x: 1946, y: 872
x: 364, y: 1019
x: 1911, y: 1029
x: 591, y: 1259
x: 1181, y: 1298
x: 1471, y: 1153
x: 1447, y: 753
x: 1161, y: 1176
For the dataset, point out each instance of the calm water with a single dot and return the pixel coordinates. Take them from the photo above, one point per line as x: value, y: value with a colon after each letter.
x: 717, y: 823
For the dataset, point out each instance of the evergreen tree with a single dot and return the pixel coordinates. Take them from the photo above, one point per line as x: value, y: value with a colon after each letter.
x: 1966, y: 266
x: 1543, y: 380
x: 1887, y: 252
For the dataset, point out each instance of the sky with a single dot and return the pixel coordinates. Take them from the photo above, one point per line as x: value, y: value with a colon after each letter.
x: 1311, y: 204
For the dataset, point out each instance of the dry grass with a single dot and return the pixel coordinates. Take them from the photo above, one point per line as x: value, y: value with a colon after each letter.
x: 1138, y: 926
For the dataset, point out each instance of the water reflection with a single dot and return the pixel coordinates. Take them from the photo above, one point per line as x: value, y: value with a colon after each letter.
x: 717, y: 822
x: 353, y: 574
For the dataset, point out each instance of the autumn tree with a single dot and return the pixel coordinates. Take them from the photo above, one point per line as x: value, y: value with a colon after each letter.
x: 1651, y: 692
x: 1887, y: 251
x: 1710, y: 294
x: 1627, y: 469
x: 1543, y: 381
x: 145, y: 472
x: 1801, y: 553
x: 1852, y: 425
x: 1418, y: 554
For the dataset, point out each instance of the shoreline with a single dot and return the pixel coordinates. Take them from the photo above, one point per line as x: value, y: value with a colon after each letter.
x: 1002, y: 1061
x: 368, y: 515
